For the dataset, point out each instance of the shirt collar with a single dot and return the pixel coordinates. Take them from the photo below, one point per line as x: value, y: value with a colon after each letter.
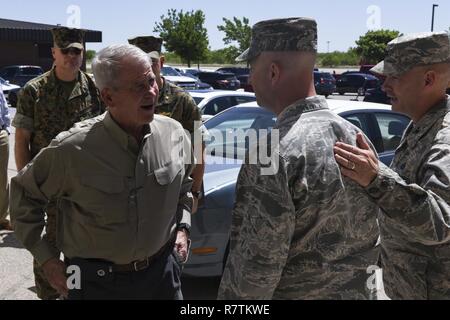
x: 126, y: 141
x: 301, y: 106
x: 419, y: 129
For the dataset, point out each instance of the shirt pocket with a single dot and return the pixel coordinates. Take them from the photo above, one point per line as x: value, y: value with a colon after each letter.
x: 164, y: 184
x: 106, y: 198
x: 167, y: 174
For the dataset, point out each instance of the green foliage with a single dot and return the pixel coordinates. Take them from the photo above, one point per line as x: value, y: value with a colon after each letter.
x: 90, y: 54
x: 334, y: 59
x: 184, y: 34
x: 372, y: 46
x: 238, y: 31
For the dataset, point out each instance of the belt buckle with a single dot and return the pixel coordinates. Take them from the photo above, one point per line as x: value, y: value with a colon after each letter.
x: 138, y: 267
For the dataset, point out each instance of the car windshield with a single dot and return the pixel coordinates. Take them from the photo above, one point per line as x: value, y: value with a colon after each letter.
x: 31, y: 71
x: 169, y: 72
x: 198, y: 100
x: 229, y: 132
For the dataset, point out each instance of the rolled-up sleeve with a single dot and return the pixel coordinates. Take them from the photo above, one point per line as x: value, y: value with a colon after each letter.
x: 31, y: 190
x: 423, y: 207
x: 25, y: 109
x: 185, y: 201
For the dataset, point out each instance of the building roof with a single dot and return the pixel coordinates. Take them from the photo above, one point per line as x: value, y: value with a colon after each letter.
x: 14, y: 30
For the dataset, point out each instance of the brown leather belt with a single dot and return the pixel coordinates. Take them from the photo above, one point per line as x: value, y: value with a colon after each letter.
x: 142, y: 264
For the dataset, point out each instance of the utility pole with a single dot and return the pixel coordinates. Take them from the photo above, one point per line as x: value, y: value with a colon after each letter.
x: 328, y: 46
x: 432, y: 17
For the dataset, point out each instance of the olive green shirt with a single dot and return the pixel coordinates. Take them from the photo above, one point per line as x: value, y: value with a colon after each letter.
x: 45, y: 108
x: 118, y: 200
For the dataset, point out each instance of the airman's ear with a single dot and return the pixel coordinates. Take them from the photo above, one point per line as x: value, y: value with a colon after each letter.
x: 275, y: 73
x: 430, y: 78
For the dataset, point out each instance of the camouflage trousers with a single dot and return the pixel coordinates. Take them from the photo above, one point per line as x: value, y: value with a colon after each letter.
x: 43, y: 289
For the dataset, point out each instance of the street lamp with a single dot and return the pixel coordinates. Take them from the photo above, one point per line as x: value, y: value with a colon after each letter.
x: 432, y: 17
x: 328, y: 46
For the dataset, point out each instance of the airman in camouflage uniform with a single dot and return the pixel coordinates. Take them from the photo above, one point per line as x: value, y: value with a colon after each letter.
x: 51, y: 104
x: 174, y: 102
x: 302, y: 232
x: 414, y: 193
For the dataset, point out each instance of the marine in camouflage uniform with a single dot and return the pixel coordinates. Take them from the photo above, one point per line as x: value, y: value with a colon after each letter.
x: 302, y: 232
x: 414, y: 193
x: 46, y: 107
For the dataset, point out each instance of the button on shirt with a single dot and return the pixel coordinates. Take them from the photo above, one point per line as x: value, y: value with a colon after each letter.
x: 119, y: 200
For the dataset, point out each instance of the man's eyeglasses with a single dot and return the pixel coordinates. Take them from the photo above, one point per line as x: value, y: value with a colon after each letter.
x: 74, y: 51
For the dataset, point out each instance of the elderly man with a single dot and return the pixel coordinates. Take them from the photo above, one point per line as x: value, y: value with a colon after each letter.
x: 414, y: 193
x: 174, y: 102
x: 4, y: 157
x: 302, y: 232
x: 121, y: 182
x: 49, y: 105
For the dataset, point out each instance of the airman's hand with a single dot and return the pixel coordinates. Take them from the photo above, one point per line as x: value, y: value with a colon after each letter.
x: 357, y: 163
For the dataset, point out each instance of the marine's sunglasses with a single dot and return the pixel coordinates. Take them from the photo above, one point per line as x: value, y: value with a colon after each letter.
x: 74, y: 51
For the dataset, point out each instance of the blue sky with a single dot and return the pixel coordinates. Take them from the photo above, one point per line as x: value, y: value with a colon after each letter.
x: 340, y: 22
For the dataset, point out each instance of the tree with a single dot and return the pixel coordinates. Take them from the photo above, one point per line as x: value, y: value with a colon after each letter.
x: 372, y: 46
x: 237, y: 31
x: 184, y: 34
x: 90, y: 54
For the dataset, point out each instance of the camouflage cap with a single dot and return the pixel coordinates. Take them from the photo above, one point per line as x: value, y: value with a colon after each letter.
x: 412, y: 50
x: 65, y: 38
x: 290, y: 34
x: 148, y: 44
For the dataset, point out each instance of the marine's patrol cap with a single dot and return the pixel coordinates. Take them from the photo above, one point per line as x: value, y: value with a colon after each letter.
x: 65, y: 38
x: 413, y: 50
x: 149, y: 44
x: 290, y: 34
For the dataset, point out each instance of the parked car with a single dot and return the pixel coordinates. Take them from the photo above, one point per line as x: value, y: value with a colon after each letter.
x: 242, y: 74
x: 377, y: 95
x: 365, y: 68
x: 220, y: 80
x: 325, y: 83
x: 20, y: 75
x: 214, y: 102
x: 356, y: 83
x: 211, y: 224
x: 7, y: 88
x: 173, y: 76
x: 200, y: 85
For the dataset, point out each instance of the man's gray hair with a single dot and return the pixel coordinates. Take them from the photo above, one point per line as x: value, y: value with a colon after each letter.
x: 107, y: 64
